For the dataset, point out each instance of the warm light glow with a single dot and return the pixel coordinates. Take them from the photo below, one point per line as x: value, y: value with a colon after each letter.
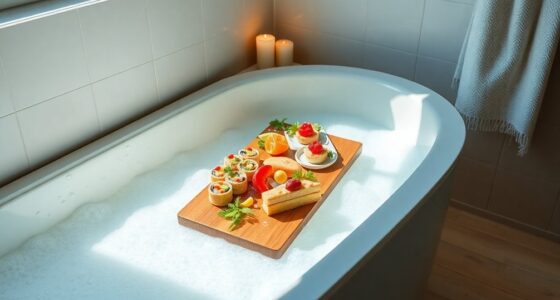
x: 265, y: 50
x: 284, y: 53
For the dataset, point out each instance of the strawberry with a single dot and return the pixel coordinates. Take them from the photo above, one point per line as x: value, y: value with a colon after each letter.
x: 293, y: 185
x: 306, y: 130
x: 316, y: 147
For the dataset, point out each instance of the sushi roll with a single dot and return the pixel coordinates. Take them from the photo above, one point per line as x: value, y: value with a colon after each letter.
x: 249, y: 153
x: 232, y: 160
x: 217, y: 174
x: 249, y: 166
x: 220, y: 193
x: 238, y: 181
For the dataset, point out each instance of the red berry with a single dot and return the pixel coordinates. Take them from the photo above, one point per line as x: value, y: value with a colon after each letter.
x: 315, y: 147
x: 306, y: 130
x: 293, y: 185
x: 230, y: 156
x: 218, y: 168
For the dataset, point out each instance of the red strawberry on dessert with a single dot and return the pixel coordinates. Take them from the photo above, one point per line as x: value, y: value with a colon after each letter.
x: 306, y: 134
x: 315, y: 153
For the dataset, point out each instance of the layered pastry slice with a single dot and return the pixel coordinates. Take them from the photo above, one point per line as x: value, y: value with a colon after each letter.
x: 294, y: 193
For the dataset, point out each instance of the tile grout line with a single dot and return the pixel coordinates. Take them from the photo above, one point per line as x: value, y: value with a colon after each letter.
x: 153, y: 61
x: 418, y: 42
x: 495, y: 175
x: 274, y: 18
x: 364, y: 34
x: 86, y: 54
x: 9, y: 86
x: 368, y: 43
x: 104, y: 78
x: 14, y: 113
x: 204, y: 41
x: 20, y: 130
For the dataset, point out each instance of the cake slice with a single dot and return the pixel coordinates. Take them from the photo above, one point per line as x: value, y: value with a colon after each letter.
x: 281, y: 194
x: 291, y: 204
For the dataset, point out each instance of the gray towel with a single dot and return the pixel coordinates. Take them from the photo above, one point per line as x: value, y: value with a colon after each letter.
x: 504, y: 66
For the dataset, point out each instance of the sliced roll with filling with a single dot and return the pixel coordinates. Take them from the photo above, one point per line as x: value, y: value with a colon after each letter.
x: 220, y: 193
x: 238, y: 181
x: 249, y: 166
x: 249, y: 153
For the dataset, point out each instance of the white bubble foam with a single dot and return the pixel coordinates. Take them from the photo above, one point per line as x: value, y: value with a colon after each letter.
x: 131, y: 245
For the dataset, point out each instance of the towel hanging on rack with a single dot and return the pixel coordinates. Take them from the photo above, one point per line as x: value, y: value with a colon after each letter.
x: 504, y: 65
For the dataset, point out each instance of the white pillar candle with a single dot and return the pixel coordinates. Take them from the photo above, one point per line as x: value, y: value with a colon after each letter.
x: 265, y: 51
x: 284, y: 53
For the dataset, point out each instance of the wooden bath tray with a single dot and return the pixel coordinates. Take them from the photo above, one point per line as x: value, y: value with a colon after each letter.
x: 269, y: 235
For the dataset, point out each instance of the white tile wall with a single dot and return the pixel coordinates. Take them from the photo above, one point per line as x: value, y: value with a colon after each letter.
x: 395, y: 23
x: 57, y: 125
x: 390, y: 61
x: 6, y: 106
x: 13, y: 159
x: 70, y: 75
x: 174, y: 24
x: 337, y: 50
x: 258, y: 15
x: 344, y: 18
x: 221, y: 17
x: 43, y: 58
x: 437, y: 75
x: 304, y: 51
x: 180, y: 72
x: 224, y: 56
x: 444, y: 41
x: 116, y: 36
x: 125, y: 96
x: 415, y: 39
x: 299, y: 13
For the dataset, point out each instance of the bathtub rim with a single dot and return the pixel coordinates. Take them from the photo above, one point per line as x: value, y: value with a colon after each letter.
x: 440, y: 159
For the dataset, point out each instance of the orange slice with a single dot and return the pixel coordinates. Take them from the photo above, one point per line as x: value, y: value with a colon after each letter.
x: 275, y: 144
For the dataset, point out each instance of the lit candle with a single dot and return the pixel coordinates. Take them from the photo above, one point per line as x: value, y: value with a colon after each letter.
x: 265, y: 51
x: 284, y: 53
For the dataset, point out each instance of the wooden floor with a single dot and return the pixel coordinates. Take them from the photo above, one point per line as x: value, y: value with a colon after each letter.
x: 481, y: 259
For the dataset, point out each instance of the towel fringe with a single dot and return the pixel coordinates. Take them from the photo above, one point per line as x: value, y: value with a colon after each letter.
x: 500, y: 126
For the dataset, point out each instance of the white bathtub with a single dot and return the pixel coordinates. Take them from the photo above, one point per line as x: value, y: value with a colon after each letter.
x: 101, y: 222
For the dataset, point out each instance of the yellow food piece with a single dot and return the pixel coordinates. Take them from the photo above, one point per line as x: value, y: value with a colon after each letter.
x: 280, y: 176
x: 264, y: 136
x: 275, y: 144
x: 281, y: 194
x: 291, y: 204
x: 285, y: 164
x: 248, y: 202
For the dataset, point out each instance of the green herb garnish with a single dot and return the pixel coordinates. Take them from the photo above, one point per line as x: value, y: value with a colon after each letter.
x: 260, y: 142
x: 278, y: 124
x: 317, y: 127
x: 304, y: 175
x: 330, y: 155
x: 292, y: 129
x: 229, y: 171
x: 235, y: 213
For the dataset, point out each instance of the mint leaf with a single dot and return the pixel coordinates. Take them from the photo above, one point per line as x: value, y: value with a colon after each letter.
x: 234, y: 213
x: 278, y: 124
x: 292, y: 129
